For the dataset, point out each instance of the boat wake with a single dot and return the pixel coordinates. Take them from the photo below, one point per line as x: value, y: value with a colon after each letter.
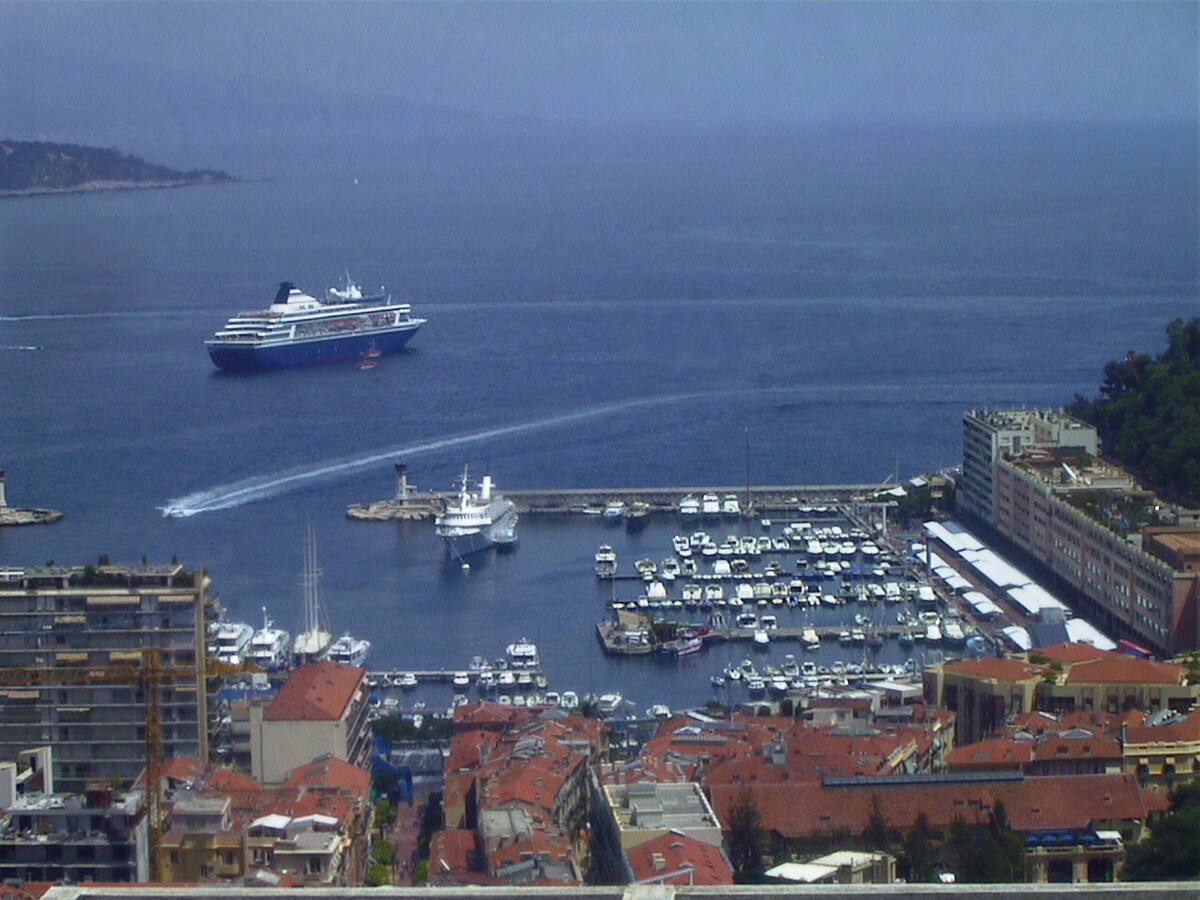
x: 265, y: 487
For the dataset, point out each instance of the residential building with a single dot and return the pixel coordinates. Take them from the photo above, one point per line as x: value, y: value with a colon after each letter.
x: 96, y: 835
x: 321, y: 709
x: 1113, y: 548
x: 677, y: 858
x: 79, y: 649
x: 987, y: 692
x: 1074, y: 827
x: 1162, y: 749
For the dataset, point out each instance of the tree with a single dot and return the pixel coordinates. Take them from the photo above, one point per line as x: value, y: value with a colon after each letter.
x: 1169, y: 854
x: 987, y: 852
x: 378, y: 874
x: 745, y: 847
x: 919, y: 854
x: 876, y: 832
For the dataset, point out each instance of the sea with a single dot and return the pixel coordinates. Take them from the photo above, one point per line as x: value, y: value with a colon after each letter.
x: 606, y: 308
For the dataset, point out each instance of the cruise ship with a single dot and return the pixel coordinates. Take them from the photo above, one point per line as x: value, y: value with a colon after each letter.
x: 297, y: 328
x: 477, y: 519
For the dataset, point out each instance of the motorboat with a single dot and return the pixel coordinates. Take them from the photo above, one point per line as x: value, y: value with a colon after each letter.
x: 349, y: 650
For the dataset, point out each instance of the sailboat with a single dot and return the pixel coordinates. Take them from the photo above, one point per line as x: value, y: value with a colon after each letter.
x: 313, y: 640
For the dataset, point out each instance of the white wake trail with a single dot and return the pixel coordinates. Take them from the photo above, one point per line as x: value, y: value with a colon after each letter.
x: 263, y: 487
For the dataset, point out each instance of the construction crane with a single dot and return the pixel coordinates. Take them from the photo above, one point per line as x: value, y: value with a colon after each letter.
x: 144, y: 669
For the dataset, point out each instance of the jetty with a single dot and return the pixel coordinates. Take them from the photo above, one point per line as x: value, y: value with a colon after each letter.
x: 411, y: 503
x: 27, y: 515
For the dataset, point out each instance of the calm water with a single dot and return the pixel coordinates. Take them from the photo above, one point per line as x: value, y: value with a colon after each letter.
x: 604, y: 310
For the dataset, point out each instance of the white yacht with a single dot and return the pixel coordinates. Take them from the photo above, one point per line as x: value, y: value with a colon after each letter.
x: 270, y: 646
x: 350, y: 650
x: 477, y: 519
x: 689, y: 507
x: 710, y: 506
x: 730, y: 508
x: 606, y: 561
x: 231, y: 643
x: 312, y: 642
x: 523, y: 654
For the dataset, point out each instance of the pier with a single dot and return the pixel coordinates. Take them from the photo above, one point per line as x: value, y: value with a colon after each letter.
x: 410, y: 503
x: 32, y: 515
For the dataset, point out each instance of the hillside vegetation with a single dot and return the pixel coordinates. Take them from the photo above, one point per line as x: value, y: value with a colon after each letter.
x: 38, y: 167
x: 1148, y: 414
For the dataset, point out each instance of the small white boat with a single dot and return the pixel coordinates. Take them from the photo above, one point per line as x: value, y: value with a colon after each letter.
x: 659, y: 711
x: 761, y: 637
x: 569, y: 700
x: 730, y: 507
x: 460, y: 679
x: 710, y: 506
x: 523, y: 654
x: 689, y: 507
x: 406, y: 680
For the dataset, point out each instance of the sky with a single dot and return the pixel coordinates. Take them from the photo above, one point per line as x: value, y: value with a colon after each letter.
x: 700, y: 60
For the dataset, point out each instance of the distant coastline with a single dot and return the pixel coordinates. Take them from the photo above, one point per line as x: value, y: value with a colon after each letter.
x: 30, y: 168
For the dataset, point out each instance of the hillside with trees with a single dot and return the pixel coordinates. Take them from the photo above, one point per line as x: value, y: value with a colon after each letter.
x: 1148, y: 414
x: 35, y: 167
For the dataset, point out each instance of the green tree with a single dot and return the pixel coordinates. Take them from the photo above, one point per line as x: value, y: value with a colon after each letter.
x: 383, y: 851
x: 378, y: 874
x: 1170, y: 852
x: 745, y: 838
x: 919, y: 854
x: 876, y: 833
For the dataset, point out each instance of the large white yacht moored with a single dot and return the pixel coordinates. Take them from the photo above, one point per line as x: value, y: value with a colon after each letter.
x: 477, y: 519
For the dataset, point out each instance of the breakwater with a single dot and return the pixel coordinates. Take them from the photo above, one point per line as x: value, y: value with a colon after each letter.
x: 763, y: 500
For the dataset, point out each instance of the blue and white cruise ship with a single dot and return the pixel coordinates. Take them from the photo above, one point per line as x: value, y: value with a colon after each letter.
x: 298, y: 329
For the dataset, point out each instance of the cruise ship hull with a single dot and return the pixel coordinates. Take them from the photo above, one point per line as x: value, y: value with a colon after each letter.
x: 502, y: 533
x: 248, y: 356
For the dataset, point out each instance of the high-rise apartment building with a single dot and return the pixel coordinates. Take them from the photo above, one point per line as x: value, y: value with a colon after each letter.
x: 82, y: 648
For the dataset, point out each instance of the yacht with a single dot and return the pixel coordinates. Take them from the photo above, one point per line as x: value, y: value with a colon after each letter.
x: 730, y: 508
x: 232, y: 642
x: 810, y: 638
x: 523, y: 654
x: 312, y: 642
x: 606, y: 561
x: 270, y: 647
x: 477, y: 519
x: 710, y: 506
x: 349, y: 650
x: 689, y: 508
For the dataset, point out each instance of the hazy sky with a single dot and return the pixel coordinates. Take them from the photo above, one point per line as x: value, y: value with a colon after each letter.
x: 721, y: 60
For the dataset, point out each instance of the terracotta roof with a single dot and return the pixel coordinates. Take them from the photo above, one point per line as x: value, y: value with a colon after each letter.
x: 330, y: 773
x: 993, y: 754
x: 318, y: 692
x: 1122, y: 669
x: 671, y: 852
x: 1000, y: 668
x: 1074, y: 651
x: 1175, y: 731
x: 451, y: 850
x: 182, y: 769
x: 1068, y: 746
x: 1058, y: 801
x: 538, y: 843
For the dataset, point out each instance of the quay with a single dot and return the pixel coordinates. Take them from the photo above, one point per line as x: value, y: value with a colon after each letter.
x: 391, y: 678
x: 411, y: 503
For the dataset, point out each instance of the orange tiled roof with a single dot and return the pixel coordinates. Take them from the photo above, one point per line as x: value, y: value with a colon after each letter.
x: 1122, y: 669
x: 1058, y: 801
x: 999, y: 752
x: 998, y: 667
x: 450, y: 850
x: 1177, y: 730
x: 675, y: 851
x: 318, y: 692
x: 330, y: 773
x: 1075, y: 651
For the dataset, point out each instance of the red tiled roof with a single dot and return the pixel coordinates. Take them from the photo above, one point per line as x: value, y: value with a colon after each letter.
x: 1122, y: 669
x: 674, y: 851
x: 318, y: 692
x: 998, y: 667
x: 450, y: 850
x: 1000, y: 753
x: 1059, y: 801
x: 330, y: 773
x: 1075, y: 651
x: 1060, y: 746
x: 1177, y: 730
x: 206, y: 776
x: 539, y: 844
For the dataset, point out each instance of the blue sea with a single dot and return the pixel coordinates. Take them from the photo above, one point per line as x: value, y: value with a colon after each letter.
x: 605, y: 309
